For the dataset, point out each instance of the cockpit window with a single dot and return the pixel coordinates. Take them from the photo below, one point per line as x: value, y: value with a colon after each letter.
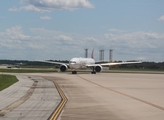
x: 72, y: 62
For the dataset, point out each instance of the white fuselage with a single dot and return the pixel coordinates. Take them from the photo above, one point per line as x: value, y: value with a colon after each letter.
x: 79, y: 63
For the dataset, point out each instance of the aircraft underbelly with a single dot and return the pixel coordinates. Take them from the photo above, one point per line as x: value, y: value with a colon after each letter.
x: 83, y: 67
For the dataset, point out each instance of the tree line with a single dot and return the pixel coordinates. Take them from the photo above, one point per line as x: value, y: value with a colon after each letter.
x: 143, y: 65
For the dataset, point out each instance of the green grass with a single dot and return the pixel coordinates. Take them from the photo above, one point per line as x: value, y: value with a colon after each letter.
x: 25, y: 71
x: 137, y: 69
x: 6, y: 81
x: 36, y: 66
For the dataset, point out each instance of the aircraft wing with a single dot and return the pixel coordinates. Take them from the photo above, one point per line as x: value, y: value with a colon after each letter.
x: 119, y: 63
x: 112, y: 63
x: 58, y: 63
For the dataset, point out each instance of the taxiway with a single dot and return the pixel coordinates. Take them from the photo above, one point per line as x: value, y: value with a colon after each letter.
x: 115, y: 96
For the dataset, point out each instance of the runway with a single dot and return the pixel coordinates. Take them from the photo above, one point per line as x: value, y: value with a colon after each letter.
x: 114, y: 96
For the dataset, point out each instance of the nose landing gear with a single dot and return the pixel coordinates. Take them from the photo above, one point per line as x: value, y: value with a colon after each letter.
x: 74, y: 72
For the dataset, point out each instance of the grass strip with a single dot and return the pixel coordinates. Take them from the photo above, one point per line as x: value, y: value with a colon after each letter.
x: 6, y: 81
x: 25, y: 71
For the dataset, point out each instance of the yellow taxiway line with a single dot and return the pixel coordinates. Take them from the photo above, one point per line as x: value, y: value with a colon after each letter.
x: 64, y: 100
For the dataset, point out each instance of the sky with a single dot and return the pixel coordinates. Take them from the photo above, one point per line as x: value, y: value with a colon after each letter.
x: 62, y: 29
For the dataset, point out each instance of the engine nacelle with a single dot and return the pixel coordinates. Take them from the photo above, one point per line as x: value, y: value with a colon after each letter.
x: 98, y: 68
x: 63, y: 68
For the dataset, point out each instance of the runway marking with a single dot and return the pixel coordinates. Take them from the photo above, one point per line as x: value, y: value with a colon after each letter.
x: 20, y: 101
x: 60, y: 107
x: 146, y: 102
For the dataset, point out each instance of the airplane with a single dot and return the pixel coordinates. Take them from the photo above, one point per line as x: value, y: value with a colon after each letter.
x: 83, y: 63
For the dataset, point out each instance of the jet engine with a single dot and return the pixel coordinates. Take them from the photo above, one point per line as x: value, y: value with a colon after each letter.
x: 98, y: 68
x: 63, y: 68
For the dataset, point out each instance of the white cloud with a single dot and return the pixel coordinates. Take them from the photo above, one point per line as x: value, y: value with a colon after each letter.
x: 15, y: 33
x: 13, y: 38
x: 50, y: 5
x: 92, y: 39
x: 14, y: 9
x: 136, y: 39
x: 44, y: 43
x: 29, y: 8
x: 45, y: 18
x: 65, y: 38
x: 33, y: 8
x: 116, y: 30
x: 136, y: 44
x: 161, y: 18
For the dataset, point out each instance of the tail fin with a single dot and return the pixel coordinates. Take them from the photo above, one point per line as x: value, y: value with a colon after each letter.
x: 92, y: 54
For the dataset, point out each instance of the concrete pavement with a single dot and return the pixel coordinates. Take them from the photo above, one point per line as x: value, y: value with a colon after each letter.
x: 113, y: 96
x: 104, y: 96
x: 40, y: 104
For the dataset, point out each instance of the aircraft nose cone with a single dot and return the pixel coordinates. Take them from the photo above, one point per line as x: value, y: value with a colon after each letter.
x: 71, y: 65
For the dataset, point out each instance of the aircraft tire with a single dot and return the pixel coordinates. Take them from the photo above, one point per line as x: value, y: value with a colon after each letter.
x: 93, y: 72
x: 74, y: 72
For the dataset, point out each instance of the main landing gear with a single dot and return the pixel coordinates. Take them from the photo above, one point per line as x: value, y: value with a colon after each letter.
x: 93, y: 71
